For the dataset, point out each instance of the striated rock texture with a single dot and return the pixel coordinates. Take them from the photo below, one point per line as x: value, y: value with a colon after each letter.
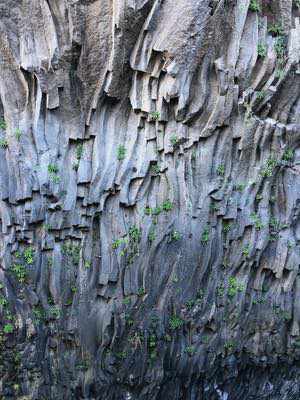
x: 150, y: 199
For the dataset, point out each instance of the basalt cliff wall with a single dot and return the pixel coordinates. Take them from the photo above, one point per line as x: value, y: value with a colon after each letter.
x: 149, y: 199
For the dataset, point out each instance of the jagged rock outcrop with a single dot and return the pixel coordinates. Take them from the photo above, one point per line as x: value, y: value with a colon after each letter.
x: 149, y: 199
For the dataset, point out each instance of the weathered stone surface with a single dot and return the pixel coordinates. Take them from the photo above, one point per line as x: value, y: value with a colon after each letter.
x: 149, y: 199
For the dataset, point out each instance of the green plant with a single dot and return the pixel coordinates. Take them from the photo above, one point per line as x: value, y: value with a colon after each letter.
x: 280, y: 47
x: 87, y: 264
x: 276, y: 29
x: 297, y: 3
x: 174, y: 140
x: 28, y: 255
x: 261, y: 50
x: 3, y: 301
x: 52, y: 169
x: 221, y: 170
x: 151, y: 235
x: 288, y: 155
x: 3, y: 143
x: 155, y: 115
x: 79, y: 151
x: 246, y: 251
x: 155, y: 169
x: 20, y: 272
x: 268, y: 168
x: 167, y: 205
x: 234, y: 287
x: 18, y: 134
x: 175, y: 322
x: 205, y: 236
x: 226, y: 227
x: 257, y: 222
x: 175, y: 236
x: 190, y: 350
x: 141, y: 291
x: 260, y: 95
x: 2, y: 124
x: 254, y: 6
x: 8, y: 328
x: 135, y: 234
x: 121, y: 152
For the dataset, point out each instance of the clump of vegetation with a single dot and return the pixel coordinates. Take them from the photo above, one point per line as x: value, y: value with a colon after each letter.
x: 221, y: 170
x: 257, y: 222
x: 53, y: 170
x: 280, y: 47
x: 2, y: 124
x: 234, y: 287
x: 79, y: 151
x: 288, y: 155
x: 28, y: 255
x: 20, y: 272
x: 276, y: 29
x: 121, y: 153
x: 205, y: 236
x: 3, y: 143
x: 226, y: 227
x: 155, y: 115
x: 175, y: 322
x: 8, y: 328
x: 175, y: 236
x: 151, y: 235
x: 261, y: 50
x: 174, y: 140
x: 155, y: 169
x: 246, y: 251
x: 269, y: 167
x: 254, y: 6
x: 190, y: 350
x: 167, y: 205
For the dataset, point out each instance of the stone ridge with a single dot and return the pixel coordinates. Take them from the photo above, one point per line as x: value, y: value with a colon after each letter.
x: 149, y: 199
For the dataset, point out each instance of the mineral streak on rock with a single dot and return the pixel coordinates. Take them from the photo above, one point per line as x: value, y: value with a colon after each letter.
x: 149, y: 199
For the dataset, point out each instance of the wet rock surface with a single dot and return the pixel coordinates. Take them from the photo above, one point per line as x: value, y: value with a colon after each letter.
x: 149, y: 199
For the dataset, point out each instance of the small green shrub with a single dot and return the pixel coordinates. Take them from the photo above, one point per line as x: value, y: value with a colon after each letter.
x: 205, y: 236
x: 8, y: 328
x: 2, y: 124
x: 254, y: 6
x: 175, y: 236
x: 52, y: 169
x: 28, y: 255
x: 221, y: 170
x: 167, y: 205
x: 234, y: 287
x: 288, y: 155
x: 174, y: 140
x: 276, y: 29
x: 20, y: 272
x: 155, y: 115
x: 3, y: 143
x: 175, y: 322
x: 121, y: 153
x: 261, y: 50
x: 269, y: 167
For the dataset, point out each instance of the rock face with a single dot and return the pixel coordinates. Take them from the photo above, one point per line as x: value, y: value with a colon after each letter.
x: 149, y: 199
